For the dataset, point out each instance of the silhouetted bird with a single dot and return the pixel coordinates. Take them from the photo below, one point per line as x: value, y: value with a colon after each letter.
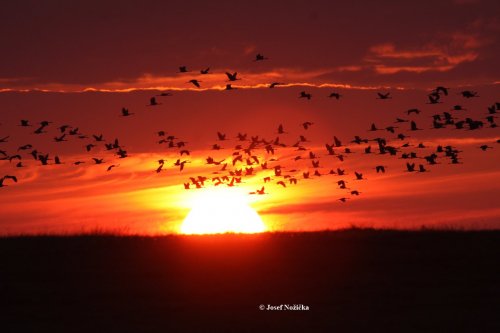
x: 25, y: 147
x: 221, y: 136
x: 280, y: 129
x: 153, y: 102
x: 14, y: 157
x: 469, y: 94
x: 413, y: 126
x: 196, y: 83
x: 307, y: 124
x: 434, y: 98
x: 274, y: 84
x: 384, y: 96
x: 303, y: 94
x: 121, y: 153
x: 260, y: 57
x: 493, y: 108
x: 282, y: 183
x: 335, y: 95
x: 7, y: 177
x: 441, y: 89
x: 458, y: 108
x: 232, y: 76
x: 44, y: 159
x: 126, y: 113
x: 260, y: 192
x: 391, y: 129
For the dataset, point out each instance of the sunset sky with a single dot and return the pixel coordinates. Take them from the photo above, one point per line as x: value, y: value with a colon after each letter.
x: 79, y: 63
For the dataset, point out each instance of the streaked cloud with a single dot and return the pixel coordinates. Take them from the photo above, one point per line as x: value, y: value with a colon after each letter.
x: 389, y: 59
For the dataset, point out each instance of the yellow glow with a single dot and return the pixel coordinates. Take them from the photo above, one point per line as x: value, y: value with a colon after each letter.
x: 220, y: 210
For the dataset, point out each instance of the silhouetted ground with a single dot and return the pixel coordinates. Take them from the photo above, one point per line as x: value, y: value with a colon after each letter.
x: 352, y: 281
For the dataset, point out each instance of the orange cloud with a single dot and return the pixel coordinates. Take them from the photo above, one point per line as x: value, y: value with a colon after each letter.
x: 287, y: 77
x: 441, y: 56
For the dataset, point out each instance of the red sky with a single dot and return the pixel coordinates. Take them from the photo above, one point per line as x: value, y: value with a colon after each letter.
x: 53, y: 52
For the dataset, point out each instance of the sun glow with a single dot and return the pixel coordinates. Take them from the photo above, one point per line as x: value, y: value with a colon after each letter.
x: 220, y: 210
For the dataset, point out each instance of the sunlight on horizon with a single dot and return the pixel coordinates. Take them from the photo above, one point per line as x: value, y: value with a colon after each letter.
x: 221, y: 210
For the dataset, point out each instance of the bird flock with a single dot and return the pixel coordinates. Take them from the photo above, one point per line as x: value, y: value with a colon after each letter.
x: 272, y: 160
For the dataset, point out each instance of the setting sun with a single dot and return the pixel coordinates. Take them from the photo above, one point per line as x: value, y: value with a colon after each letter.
x: 221, y: 210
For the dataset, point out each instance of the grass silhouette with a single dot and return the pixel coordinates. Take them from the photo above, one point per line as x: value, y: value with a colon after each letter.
x: 354, y: 279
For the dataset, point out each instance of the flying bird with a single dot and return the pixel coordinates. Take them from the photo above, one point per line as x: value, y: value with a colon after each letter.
x: 469, y: 94
x: 196, y: 83
x: 274, y: 84
x: 359, y: 176
x: 434, y: 98
x: 126, y: 112
x: 440, y: 90
x: 153, y: 102
x: 413, y: 126
x: 232, y: 76
x: 221, y: 136
x: 303, y: 94
x: 63, y: 128
x: 25, y: 147
x: 307, y: 124
x: 410, y: 167
x: 410, y: 111
x: 384, y: 96
x: 112, y: 166
x: 280, y: 129
x: 260, y: 57
x: 14, y: 178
